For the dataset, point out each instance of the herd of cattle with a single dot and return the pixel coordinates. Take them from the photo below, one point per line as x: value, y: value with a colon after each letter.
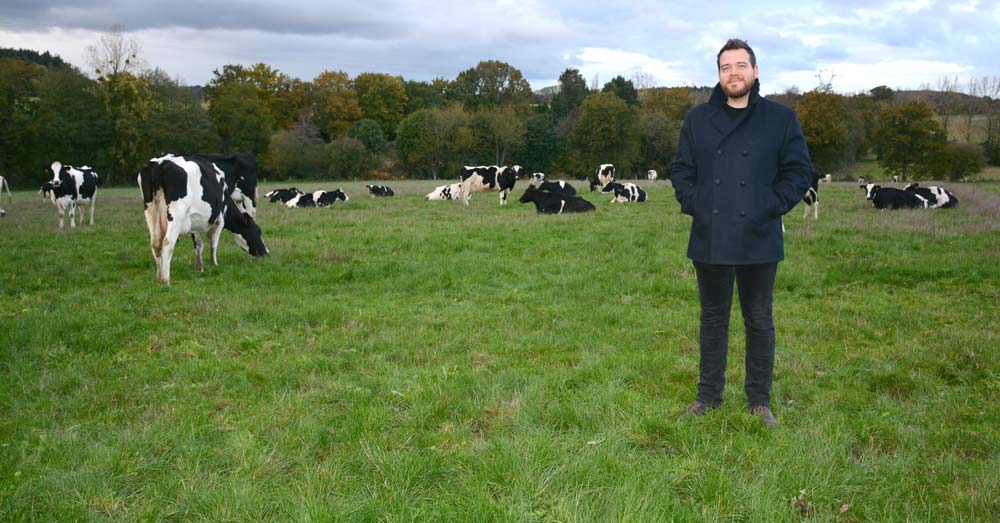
x: 204, y: 194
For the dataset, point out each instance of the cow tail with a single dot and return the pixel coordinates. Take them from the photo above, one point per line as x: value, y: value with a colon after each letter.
x: 10, y: 197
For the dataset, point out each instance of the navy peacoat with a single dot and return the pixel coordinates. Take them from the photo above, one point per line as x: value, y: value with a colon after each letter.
x: 736, y: 178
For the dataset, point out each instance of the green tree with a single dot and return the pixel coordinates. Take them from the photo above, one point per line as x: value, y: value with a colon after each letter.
x: 242, y: 119
x: 334, y: 103
x: 907, y: 134
x: 18, y: 104
x: 954, y: 162
x: 607, y: 132
x: 368, y: 132
x: 491, y: 83
x: 572, y: 91
x: 882, y: 94
x: 425, y: 95
x: 434, y: 141
x: 824, y: 120
x: 382, y: 98
x: 623, y: 89
x: 497, y: 130
x: 296, y: 152
x: 658, y: 135
x: 128, y: 102
x: 179, y: 123
x: 348, y: 159
x: 540, y: 149
x: 281, y: 96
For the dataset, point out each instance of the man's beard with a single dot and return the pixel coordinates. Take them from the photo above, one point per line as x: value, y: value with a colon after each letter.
x: 739, y: 93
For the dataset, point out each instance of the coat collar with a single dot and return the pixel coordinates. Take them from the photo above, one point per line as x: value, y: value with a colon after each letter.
x: 720, y: 120
x: 719, y: 98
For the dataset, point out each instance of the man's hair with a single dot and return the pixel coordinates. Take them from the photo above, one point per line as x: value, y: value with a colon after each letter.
x: 733, y: 44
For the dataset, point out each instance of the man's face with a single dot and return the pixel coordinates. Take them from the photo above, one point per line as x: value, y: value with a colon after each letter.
x: 736, y: 75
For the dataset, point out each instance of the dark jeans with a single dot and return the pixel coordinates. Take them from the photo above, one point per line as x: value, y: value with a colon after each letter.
x: 755, y: 284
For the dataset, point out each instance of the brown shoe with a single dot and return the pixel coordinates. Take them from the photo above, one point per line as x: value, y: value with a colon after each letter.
x: 765, y: 416
x: 696, y: 408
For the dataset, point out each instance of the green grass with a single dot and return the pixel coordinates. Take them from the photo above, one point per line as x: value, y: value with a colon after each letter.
x: 403, y: 360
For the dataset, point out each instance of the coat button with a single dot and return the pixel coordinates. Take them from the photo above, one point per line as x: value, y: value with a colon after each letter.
x: 746, y: 152
x: 718, y: 152
x: 743, y: 183
x: 743, y: 214
x: 715, y: 211
x: 717, y: 181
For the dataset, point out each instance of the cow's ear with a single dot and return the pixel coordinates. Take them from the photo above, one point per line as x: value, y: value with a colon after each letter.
x: 245, y: 217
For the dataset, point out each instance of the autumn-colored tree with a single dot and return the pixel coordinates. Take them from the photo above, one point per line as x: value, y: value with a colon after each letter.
x: 607, y: 132
x: 824, y: 119
x: 282, y: 96
x: 491, y: 83
x: 382, y: 98
x: 673, y: 102
x: 334, y: 103
x: 907, y: 134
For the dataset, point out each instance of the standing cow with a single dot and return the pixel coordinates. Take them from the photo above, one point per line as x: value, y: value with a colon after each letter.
x: 188, y: 195
x: 241, y: 178
x: 10, y: 198
x: 485, y: 178
x: 69, y: 188
x: 651, y: 175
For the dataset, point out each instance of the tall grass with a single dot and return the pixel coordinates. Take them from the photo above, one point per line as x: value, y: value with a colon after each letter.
x: 397, y: 359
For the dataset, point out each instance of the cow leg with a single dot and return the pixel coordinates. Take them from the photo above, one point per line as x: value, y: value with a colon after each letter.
x: 816, y: 210
x: 805, y: 210
x: 62, y: 215
x: 214, y: 236
x: 503, y: 197
x: 167, y: 252
x: 72, y: 215
x: 198, y: 247
x: 464, y: 192
x: 92, y: 201
x: 155, y: 236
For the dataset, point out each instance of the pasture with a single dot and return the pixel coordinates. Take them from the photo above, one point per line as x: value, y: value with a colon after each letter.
x: 402, y: 360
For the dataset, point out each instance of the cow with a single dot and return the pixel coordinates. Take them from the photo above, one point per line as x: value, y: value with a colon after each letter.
x: 380, y: 190
x: 446, y: 192
x: 604, y: 175
x: 486, y: 178
x: 936, y: 196
x: 895, y: 178
x: 811, y: 198
x: 69, y: 188
x: 625, y: 192
x: 241, y: 178
x: 827, y: 178
x: 559, y: 187
x: 282, y: 195
x: 10, y: 198
x: 651, y: 175
x: 537, y: 178
x: 317, y: 199
x: 551, y: 203
x: 891, y: 198
x: 189, y: 196
x: 862, y: 182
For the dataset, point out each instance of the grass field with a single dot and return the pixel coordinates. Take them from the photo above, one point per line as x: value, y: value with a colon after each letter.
x: 404, y: 360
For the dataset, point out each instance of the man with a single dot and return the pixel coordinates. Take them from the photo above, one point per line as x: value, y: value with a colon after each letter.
x: 741, y: 164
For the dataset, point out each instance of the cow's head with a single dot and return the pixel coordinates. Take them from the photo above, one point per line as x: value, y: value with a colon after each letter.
x: 245, y: 230
x: 911, y: 186
x: 46, y: 191
x: 327, y: 198
x: 529, y: 194
x: 537, y: 178
x: 870, y: 190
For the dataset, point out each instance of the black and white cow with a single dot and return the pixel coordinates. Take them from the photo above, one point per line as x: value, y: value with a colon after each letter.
x: 282, y: 195
x: 559, y: 187
x: 551, y: 203
x: 485, y: 178
x: 862, y: 182
x: 891, y: 198
x: 317, y: 199
x: 188, y: 195
x: 936, y: 196
x: 651, y: 175
x: 69, y: 188
x: 241, y: 178
x: 380, y: 190
x: 811, y: 198
x: 895, y: 178
x: 10, y: 198
x: 826, y: 178
x: 446, y: 192
x: 537, y: 178
x: 604, y: 175
x: 625, y: 192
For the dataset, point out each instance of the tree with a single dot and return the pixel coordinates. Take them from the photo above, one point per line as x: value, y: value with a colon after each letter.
x: 907, y: 134
x: 658, y: 135
x: 382, y: 98
x: 368, y: 132
x: 540, y: 148
x: 824, y: 119
x: 673, y: 102
x: 435, y: 141
x: 882, y: 94
x: 334, y: 103
x: 296, y: 152
x: 491, y: 83
x: 607, y: 132
x: 115, y: 53
x: 789, y: 97
x: 18, y: 101
x: 69, y: 122
x: 954, y: 162
x: 128, y: 102
x: 498, y: 130
x: 282, y: 97
x: 178, y: 122
x: 425, y: 95
x: 572, y: 91
x: 242, y: 119
x: 349, y: 159
x: 623, y: 89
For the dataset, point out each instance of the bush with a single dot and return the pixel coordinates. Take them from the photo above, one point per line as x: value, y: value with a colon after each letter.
x: 349, y: 158
x: 956, y: 161
x: 295, y: 153
x: 369, y: 133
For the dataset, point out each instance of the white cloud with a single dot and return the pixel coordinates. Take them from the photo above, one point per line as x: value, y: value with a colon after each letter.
x: 854, y: 77
x: 608, y: 63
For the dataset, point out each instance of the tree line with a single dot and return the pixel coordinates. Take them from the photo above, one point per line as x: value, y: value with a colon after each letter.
x: 377, y: 125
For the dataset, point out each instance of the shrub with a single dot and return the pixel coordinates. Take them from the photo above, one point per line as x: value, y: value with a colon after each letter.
x: 956, y: 161
x: 349, y: 158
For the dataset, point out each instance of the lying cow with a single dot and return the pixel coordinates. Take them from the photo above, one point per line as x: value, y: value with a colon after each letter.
x: 550, y: 203
x: 891, y: 198
x: 317, y: 199
x: 559, y: 187
x: 936, y: 197
x: 282, y: 195
x: 485, y: 178
x: 380, y: 191
x: 446, y: 192
x: 10, y: 198
x: 69, y: 188
x: 241, y: 178
x: 625, y: 192
x: 605, y: 174
x: 537, y: 178
x: 182, y: 196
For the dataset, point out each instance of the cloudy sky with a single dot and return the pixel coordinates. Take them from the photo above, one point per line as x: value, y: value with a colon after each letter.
x: 858, y: 44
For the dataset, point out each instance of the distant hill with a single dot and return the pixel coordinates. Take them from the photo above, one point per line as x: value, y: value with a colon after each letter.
x: 27, y: 55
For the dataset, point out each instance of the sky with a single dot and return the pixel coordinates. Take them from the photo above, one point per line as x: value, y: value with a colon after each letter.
x: 854, y: 45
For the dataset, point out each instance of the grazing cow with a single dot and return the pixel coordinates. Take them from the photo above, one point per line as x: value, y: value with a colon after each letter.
x: 486, y: 178
x: 282, y: 195
x: 936, y: 196
x: 604, y: 175
x: 895, y: 179
x: 317, y: 199
x: 446, y: 192
x: 380, y: 190
x: 559, y: 187
x: 811, y: 198
x: 651, y: 175
x: 188, y: 195
x: 827, y: 178
x: 537, y: 178
x: 625, y: 192
x: 891, y: 198
x: 241, y: 178
x: 551, y: 203
x: 69, y: 188
x: 10, y: 198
